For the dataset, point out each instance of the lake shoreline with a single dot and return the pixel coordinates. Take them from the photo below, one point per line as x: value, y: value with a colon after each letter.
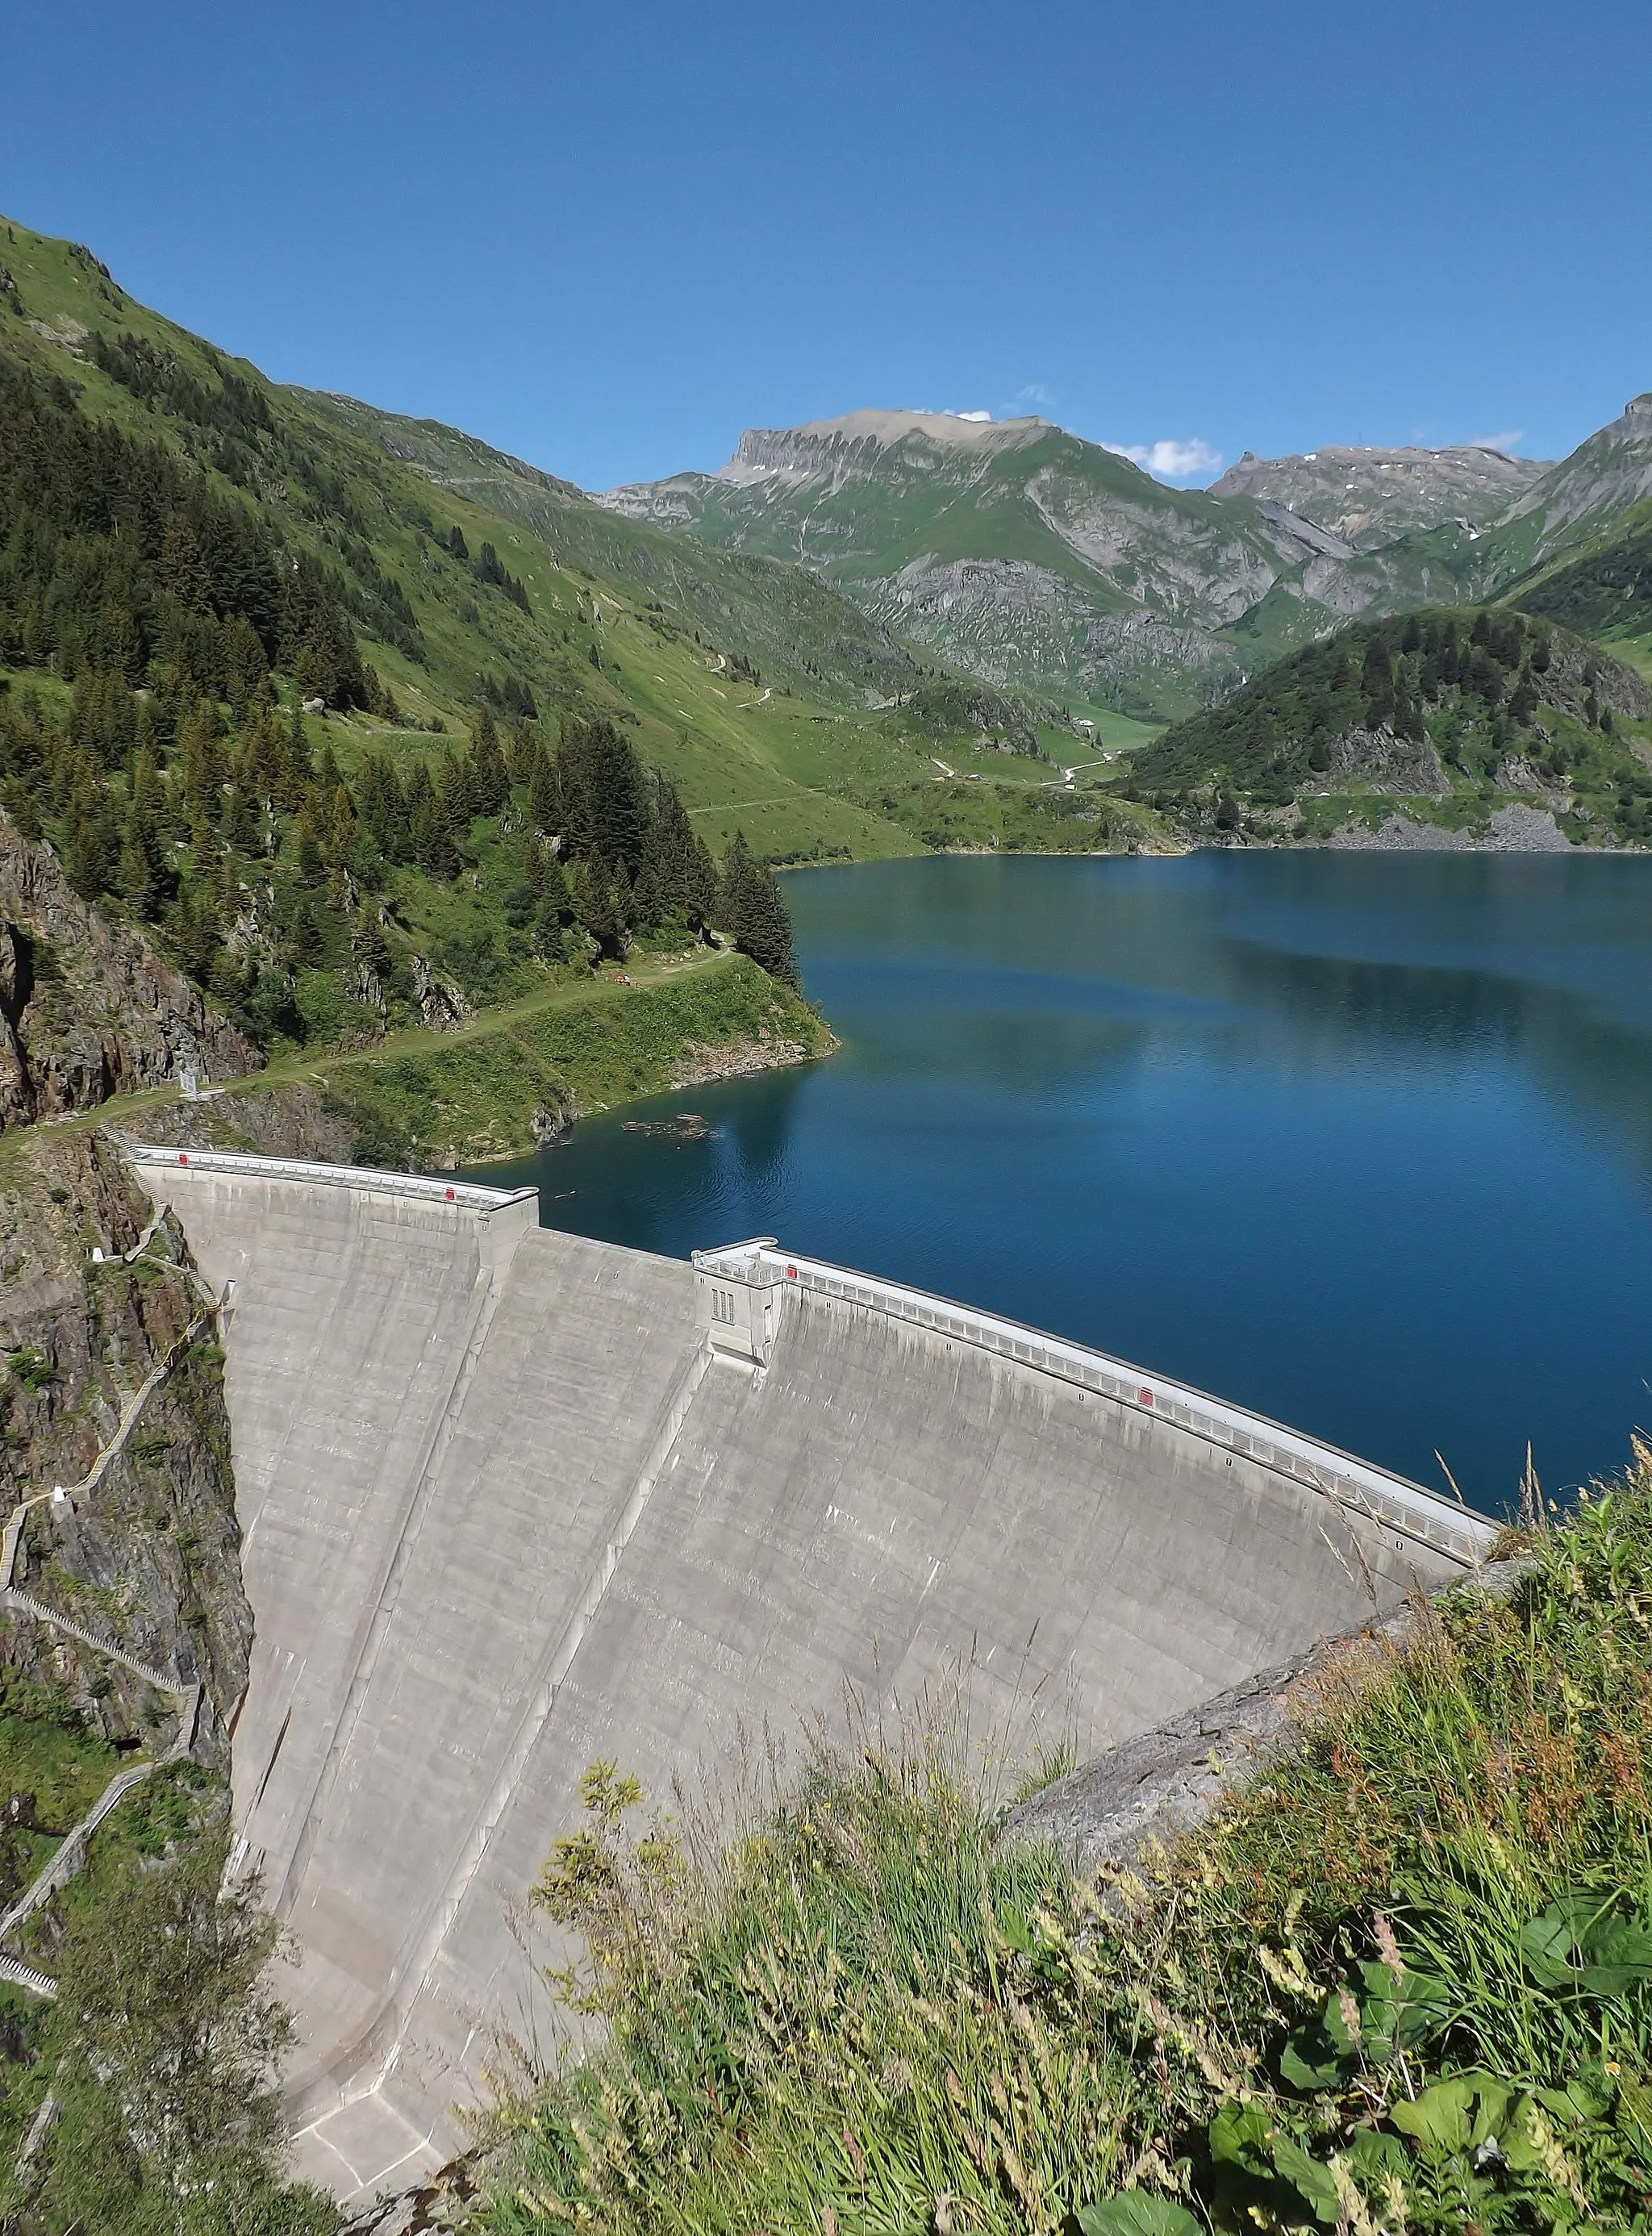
x: 1366, y: 1148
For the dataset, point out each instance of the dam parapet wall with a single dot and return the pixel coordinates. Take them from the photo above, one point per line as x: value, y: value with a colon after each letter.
x: 1449, y: 1526
x: 513, y: 1501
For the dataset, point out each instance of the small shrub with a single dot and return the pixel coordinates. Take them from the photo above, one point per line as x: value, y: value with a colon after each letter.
x: 31, y: 1369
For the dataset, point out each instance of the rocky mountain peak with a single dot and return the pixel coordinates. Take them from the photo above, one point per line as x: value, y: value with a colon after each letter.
x: 1368, y: 496
x: 855, y: 445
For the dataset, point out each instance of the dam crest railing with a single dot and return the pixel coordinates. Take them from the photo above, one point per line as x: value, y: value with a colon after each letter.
x: 465, y: 1194
x: 1385, y: 1498
x: 1390, y: 1499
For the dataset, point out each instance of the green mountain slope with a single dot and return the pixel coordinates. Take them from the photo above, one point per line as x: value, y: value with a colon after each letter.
x: 1015, y: 549
x: 184, y: 557
x: 1577, y: 502
x: 1603, y: 589
x: 1035, y: 559
x: 361, y: 756
x: 1450, y: 714
x: 761, y: 692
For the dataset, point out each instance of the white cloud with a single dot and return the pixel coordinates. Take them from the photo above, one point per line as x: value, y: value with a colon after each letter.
x: 1505, y: 441
x: 1169, y: 460
x: 969, y: 415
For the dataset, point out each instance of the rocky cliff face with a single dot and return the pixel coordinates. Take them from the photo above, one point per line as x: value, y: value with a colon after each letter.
x: 1368, y: 497
x: 149, y: 1559
x: 87, y: 1007
x: 856, y: 445
x: 292, y: 1121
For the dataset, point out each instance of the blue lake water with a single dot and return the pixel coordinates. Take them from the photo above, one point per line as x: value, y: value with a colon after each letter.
x: 1362, y: 1142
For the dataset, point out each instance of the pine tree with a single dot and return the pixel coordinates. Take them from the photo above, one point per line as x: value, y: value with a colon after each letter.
x: 299, y: 770
x: 432, y: 835
x: 241, y: 815
x: 312, y: 868
x: 489, y: 778
x: 384, y: 807
x: 753, y: 912
x: 342, y: 823
x: 624, y: 901
x: 372, y: 948
x: 140, y: 873
x: 550, y: 935
x: 605, y: 794
x: 201, y: 756
x: 648, y: 907
x: 544, y: 792
x: 304, y: 943
x: 226, y: 900
x: 194, y: 933
x: 182, y: 570
x: 457, y: 789
x: 594, y: 907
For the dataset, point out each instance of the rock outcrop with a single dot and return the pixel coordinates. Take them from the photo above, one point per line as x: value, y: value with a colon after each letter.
x: 1109, y: 1813
x: 1409, y: 766
x: 87, y: 1007
x: 1368, y: 497
x: 150, y: 1558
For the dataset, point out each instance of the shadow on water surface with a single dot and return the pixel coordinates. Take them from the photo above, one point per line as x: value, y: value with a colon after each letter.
x: 1363, y: 1141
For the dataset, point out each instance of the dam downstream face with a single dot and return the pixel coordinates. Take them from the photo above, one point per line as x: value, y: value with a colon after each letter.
x: 1361, y: 1141
x: 513, y: 1500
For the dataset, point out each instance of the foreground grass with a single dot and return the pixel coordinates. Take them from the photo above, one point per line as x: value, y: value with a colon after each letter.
x: 1404, y: 1981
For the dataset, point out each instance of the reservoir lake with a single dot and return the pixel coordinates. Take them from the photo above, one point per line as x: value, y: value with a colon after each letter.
x: 1361, y: 1141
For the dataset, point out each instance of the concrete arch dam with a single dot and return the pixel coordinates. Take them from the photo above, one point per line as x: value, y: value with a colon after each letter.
x: 513, y: 1500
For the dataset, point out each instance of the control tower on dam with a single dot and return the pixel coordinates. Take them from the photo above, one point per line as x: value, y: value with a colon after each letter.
x: 513, y: 1500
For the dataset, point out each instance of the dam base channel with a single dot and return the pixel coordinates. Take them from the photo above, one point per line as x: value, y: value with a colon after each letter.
x: 513, y: 1500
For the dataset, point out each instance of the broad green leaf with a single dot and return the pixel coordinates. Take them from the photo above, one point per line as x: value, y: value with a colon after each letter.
x: 1392, y: 2019
x: 1308, y: 2178
x: 1138, y: 2212
x: 1635, y: 2113
x: 1311, y: 2059
x: 1239, y: 2136
x: 1617, y: 1956
x: 1336, y: 2028
x: 1493, y: 2101
x: 1517, y: 2142
x: 1581, y: 2099
x: 1439, y: 2118
x: 1552, y: 1942
x: 1372, y: 2156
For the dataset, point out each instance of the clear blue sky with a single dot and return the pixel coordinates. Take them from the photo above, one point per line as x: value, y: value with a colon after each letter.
x: 607, y: 237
